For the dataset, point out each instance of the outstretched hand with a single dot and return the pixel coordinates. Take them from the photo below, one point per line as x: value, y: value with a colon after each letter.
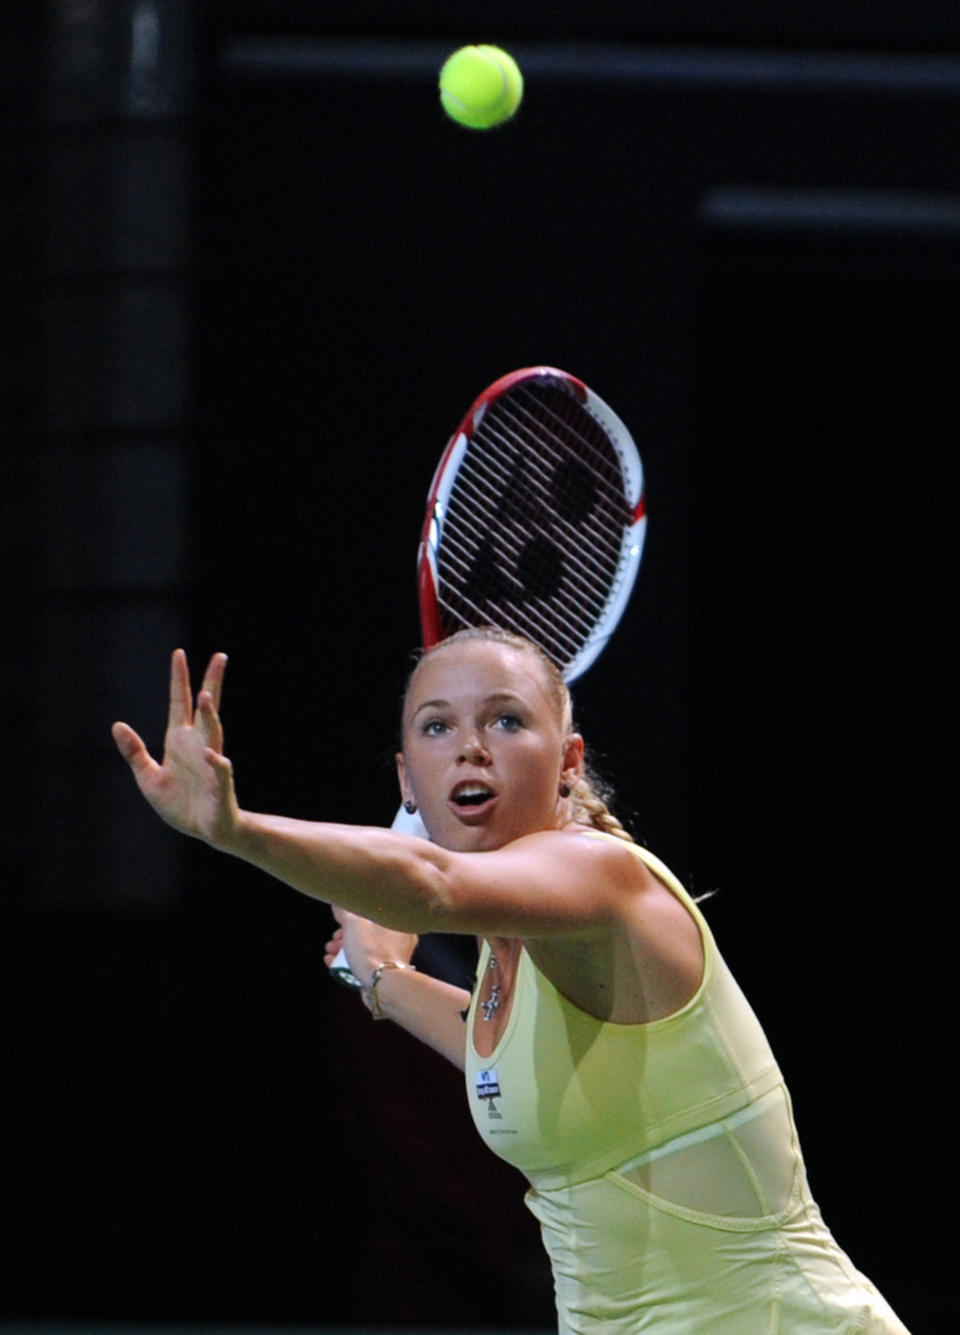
x: 192, y: 789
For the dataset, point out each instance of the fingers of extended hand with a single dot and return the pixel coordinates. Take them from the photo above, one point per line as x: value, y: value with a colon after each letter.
x: 221, y: 769
x: 131, y: 746
x: 208, y: 720
x: 181, y: 697
x: 213, y: 678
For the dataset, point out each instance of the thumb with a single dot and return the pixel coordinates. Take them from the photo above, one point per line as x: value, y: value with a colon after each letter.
x: 133, y: 749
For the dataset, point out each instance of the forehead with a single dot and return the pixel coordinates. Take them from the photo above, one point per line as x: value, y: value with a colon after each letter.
x: 476, y: 669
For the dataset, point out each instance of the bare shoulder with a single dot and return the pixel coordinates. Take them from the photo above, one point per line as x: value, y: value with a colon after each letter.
x: 648, y: 962
x: 597, y: 860
x: 589, y: 852
x: 551, y: 887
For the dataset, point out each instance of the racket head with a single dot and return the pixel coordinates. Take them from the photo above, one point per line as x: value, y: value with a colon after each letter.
x: 535, y: 519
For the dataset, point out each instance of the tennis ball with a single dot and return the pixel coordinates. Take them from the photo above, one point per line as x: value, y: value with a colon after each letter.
x: 480, y: 86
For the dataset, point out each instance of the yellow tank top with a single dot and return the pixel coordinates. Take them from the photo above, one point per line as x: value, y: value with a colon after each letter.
x: 664, y: 1165
x: 565, y: 1096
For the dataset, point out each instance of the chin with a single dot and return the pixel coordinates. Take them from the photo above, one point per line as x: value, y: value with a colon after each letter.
x: 471, y: 839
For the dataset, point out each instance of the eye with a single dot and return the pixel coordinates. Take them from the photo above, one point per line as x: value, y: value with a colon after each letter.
x: 509, y: 722
x: 434, y: 727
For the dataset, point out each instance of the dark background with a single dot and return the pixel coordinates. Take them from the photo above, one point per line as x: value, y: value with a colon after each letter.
x: 252, y: 280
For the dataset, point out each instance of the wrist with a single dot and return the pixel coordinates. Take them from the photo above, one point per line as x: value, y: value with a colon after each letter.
x: 371, y: 992
x: 237, y: 835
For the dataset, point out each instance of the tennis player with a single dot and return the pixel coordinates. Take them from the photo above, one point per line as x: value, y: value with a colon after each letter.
x: 608, y: 1052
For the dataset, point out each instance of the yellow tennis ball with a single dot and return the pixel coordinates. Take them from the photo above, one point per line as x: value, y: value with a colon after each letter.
x: 480, y: 86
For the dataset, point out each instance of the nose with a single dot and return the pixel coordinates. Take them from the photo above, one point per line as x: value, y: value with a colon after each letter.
x: 473, y: 751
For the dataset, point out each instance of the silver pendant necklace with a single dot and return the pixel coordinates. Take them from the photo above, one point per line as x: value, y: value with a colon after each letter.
x: 493, y: 1003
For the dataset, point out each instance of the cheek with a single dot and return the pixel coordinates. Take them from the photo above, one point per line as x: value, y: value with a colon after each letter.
x: 539, y: 768
x: 421, y: 765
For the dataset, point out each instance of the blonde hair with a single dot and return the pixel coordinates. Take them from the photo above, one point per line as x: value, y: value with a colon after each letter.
x: 590, y: 795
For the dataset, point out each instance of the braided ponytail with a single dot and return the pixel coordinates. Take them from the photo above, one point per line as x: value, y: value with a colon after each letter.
x: 589, y: 799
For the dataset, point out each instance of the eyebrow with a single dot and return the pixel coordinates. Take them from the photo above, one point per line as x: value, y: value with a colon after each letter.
x: 494, y: 698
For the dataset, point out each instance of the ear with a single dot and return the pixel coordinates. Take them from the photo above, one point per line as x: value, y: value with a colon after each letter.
x: 406, y: 792
x: 572, y: 770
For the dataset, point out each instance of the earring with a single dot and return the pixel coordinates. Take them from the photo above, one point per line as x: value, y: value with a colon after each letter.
x: 409, y: 807
x: 564, y: 790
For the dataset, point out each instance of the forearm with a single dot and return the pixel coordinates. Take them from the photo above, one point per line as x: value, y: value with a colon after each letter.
x: 427, y: 1008
x: 391, y: 878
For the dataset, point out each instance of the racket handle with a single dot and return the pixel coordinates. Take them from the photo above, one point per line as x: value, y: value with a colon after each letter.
x: 340, y: 970
x: 403, y: 823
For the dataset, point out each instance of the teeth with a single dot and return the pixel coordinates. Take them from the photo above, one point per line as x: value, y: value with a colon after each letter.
x: 472, y: 792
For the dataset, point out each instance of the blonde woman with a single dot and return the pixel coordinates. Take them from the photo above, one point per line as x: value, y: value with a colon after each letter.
x: 608, y: 1052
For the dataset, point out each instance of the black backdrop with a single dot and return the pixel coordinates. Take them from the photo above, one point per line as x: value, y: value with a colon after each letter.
x: 755, y: 260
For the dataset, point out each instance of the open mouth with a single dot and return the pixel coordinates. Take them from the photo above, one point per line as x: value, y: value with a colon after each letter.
x: 471, y: 795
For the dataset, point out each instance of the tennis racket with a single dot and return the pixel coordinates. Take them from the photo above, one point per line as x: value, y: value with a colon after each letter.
x: 535, y: 523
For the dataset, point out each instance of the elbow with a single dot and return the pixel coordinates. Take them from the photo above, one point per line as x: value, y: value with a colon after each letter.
x: 426, y: 901
x: 437, y: 900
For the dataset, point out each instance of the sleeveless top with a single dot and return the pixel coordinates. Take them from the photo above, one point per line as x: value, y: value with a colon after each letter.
x: 605, y: 1092
x: 664, y: 1165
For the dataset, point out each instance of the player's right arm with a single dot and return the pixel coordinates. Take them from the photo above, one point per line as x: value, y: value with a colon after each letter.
x: 428, y: 1008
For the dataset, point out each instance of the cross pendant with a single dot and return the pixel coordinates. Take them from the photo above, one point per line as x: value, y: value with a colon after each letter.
x: 488, y: 1007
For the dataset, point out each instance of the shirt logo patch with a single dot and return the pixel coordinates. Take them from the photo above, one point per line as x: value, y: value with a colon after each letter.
x: 488, y: 1084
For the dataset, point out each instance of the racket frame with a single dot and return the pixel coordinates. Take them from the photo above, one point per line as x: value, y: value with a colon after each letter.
x: 445, y: 475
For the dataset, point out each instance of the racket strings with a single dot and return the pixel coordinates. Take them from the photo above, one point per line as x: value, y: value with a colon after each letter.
x: 551, y: 452
x: 535, y: 522
x: 514, y: 540
x: 528, y: 505
x: 573, y: 494
x: 586, y: 463
x: 539, y: 444
x: 575, y: 425
x: 515, y: 545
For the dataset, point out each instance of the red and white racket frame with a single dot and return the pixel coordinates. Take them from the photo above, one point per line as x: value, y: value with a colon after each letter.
x: 445, y: 475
